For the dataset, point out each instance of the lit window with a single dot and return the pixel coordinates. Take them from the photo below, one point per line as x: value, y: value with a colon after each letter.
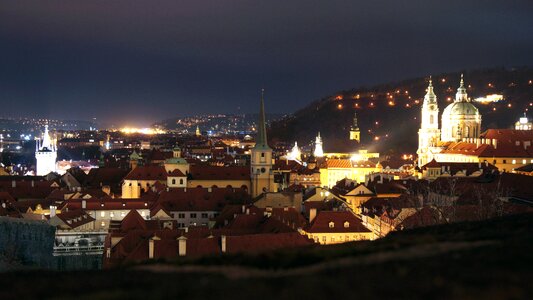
x: 102, y: 214
x: 346, y: 224
x: 112, y: 214
x: 514, y: 161
x: 331, y: 224
x: 122, y: 214
x: 103, y: 224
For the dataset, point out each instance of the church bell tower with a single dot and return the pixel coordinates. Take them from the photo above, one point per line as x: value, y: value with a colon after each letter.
x: 261, y: 160
x: 429, y: 133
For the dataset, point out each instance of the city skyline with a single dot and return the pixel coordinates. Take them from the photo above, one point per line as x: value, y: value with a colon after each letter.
x: 148, y: 62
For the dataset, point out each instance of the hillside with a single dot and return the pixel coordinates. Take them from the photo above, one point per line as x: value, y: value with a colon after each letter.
x: 477, y: 260
x: 396, y: 109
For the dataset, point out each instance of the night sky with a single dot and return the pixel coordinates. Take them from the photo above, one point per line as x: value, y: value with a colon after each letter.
x: 134, y: 62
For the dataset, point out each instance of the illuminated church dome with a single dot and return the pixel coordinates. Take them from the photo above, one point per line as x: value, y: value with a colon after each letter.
x: 461, y: 119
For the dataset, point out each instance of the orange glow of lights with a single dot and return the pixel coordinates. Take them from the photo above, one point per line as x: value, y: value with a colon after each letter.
x: 407, y: 92
x: 356, y: 105
x: 377, y: 123
x: 376, y: 138
x: 397, y: 91
x: 509, y: 105
x: 417, y: 101
x: 372, y: 96
x: 490, y: 85
x: 357, y: 96
x: 391, y: 103
x: 407, y: 105
x: 449, y: 99
x: 443, y: 80
x: 494, y: 108
x: 530, y: 82
x: 339, y: 106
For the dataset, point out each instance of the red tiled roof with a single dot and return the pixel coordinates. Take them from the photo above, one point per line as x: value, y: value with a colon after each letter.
x: 198, y: 172
x: 199, y: 199
x: 147, y: 173
x: 265, y: 242
x: 321, y: 223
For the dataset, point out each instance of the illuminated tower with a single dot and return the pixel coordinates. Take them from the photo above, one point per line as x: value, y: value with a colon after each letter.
x: 319, y: 152
x: 428, y: 134
x: 295, y: 153
x: 355, y: 133
x: 45, y: 154
x: 261, y: 160
x: 198, y: 133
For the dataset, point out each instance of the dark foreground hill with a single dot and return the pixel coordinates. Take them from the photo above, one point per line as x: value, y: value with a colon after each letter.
x: 478, y: 260
x: 396, y: 109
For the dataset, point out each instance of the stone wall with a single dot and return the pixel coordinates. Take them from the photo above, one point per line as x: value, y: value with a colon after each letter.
x: 25, y: 243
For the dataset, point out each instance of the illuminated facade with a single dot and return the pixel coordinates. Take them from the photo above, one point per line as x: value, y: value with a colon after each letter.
x: 523, y: 124
x: 461, y: 119
x: 45, y: 154
x: 429, y: 133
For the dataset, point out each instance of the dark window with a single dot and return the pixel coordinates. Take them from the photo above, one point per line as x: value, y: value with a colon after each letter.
x: 204, y: 215
x: 193, y: 215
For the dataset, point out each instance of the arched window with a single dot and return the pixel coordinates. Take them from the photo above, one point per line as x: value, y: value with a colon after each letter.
x: 181, y: 181
x: 431, y: 119
x: 173, y: 181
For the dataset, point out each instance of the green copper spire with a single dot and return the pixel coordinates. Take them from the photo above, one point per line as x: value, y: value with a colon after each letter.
x: 261, y: 140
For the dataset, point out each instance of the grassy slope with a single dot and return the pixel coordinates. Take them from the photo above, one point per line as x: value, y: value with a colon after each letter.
x: 486, y: 260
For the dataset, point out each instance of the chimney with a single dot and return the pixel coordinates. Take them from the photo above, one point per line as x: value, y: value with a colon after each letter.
x: 84, y: 204
x: 182, y: 246
x: 495, y: 143
x: 13, y: 184
x: 312, y: 214
x: 52, y: 211
x: 33, y: 183
x: 247, y: 211
x: 223, y: 243
x: 151, y: 246
x: 243, y: 209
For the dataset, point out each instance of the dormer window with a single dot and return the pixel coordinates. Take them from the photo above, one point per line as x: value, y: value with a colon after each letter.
x: 346, y: 224
x: 331, y: 224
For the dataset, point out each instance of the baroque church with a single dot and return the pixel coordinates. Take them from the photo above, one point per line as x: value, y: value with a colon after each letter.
x: 460, y: 120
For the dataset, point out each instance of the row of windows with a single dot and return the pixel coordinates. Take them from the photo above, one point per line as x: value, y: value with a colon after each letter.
x: 191, y: 215
x: 514, y: 161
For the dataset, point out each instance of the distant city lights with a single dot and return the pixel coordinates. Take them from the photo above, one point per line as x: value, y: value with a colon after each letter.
x: 148, y: 131
x: 490, y: 98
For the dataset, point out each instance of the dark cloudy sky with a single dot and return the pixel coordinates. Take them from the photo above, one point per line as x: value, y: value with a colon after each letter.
x: 139, y: 61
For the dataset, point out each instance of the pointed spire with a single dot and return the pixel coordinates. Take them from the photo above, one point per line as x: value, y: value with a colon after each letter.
x: 430, y: 96
x: 261, y: 140
x: 461, y: 95
x: 47, y: 142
